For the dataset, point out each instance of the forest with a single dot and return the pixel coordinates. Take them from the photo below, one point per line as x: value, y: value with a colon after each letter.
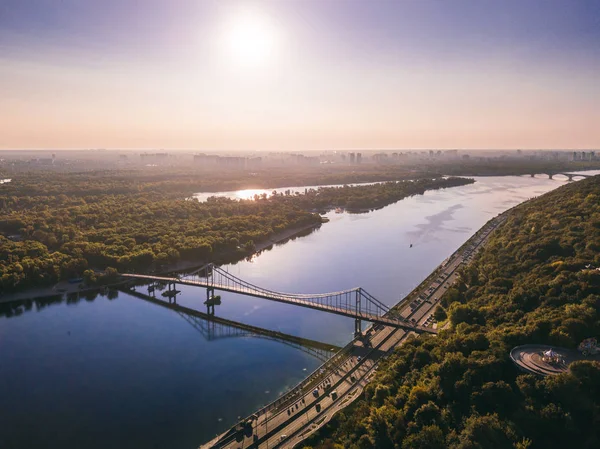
x: 359, y: 198
x: 536, y: 281
x: 62, y: 226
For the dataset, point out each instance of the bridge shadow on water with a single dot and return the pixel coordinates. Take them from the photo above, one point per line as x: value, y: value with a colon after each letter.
x: 209, y: 326
x: 214, y: 328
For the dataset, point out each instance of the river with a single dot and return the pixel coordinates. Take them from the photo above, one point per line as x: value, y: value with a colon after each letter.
x: 121, y: 372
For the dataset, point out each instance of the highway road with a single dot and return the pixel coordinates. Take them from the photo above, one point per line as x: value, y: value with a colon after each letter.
x: 292, y: 418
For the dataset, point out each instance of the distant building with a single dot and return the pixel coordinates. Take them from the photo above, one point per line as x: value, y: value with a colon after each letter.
x: 206, y: 161
x: 380, y: 158
x: 253, y: 163
x: 231, y: 163
x: 358, y: 158
x: 147, y: 158
x: 352, y: 158
x: 43, y: 161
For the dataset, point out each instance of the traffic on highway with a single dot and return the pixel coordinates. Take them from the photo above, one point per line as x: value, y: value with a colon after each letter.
x: 293, y: 417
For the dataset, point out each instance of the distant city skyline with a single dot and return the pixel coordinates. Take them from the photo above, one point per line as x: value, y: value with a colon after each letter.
x: 300, y: 75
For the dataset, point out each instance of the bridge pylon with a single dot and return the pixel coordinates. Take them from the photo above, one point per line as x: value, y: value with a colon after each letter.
x: 357, y: 323
x: 210, y: 302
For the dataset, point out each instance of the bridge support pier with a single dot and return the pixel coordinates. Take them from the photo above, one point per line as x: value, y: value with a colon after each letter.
x: 172, y: 292
x: 550, y: 175
x: 357, y: 327
x: 210, y: 304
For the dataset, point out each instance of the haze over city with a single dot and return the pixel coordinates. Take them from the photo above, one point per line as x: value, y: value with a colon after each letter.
x: 299, y: 75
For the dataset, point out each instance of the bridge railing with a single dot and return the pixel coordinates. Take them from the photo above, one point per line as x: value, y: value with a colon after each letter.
x: 354, y: 302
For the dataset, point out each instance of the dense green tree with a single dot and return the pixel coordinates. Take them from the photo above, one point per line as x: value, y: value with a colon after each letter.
x: 58, y: 228
x: 537, y: 280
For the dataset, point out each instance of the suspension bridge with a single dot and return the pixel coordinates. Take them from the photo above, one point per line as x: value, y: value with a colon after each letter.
x: 353, y: 303
x: 214, y: 328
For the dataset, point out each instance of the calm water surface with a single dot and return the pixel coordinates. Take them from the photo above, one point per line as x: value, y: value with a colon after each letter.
x: 125, y: 373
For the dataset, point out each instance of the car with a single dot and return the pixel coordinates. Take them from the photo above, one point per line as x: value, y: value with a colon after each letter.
x: 282, y: 437
x: 359, y: 358
x: 316, y: 393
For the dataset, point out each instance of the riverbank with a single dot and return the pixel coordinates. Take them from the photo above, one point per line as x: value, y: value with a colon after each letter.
x: 61, y: 288
x: 143, y: 345
x: 501, y: 301
x: 278, y: 238
x: 65, y: 288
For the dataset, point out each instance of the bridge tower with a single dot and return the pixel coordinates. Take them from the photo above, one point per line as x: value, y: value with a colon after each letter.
x: 357, y: 322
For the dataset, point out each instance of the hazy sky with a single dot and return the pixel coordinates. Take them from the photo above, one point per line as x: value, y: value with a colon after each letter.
x: 299, y: 74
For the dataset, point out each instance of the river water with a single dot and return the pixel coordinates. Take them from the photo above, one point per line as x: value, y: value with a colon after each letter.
x: 121, y: 372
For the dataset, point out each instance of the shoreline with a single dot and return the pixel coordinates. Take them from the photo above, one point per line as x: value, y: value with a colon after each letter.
x: 283, y: 236
x: 277, y: 238
x: 272, y: 406
x: 64, y: 287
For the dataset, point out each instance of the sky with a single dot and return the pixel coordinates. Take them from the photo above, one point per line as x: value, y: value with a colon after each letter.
x: 300, y: 74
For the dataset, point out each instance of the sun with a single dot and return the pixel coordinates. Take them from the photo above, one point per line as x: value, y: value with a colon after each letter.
x: 250, y: 40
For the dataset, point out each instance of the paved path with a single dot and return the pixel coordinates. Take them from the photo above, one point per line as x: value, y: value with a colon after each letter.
x: 529, y: 358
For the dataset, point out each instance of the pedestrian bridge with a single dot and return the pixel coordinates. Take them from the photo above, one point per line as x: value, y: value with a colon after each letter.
x: 353, y: 303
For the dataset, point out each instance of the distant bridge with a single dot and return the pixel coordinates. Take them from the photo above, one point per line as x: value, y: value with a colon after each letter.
x: 214, y: 328
x: 354, y: 303
x: 568, y: 175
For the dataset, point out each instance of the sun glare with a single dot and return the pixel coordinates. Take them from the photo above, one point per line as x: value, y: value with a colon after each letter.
x: 250, y: 40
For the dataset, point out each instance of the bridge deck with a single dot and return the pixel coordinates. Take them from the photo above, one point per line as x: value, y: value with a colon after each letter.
x: 273, y: 296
